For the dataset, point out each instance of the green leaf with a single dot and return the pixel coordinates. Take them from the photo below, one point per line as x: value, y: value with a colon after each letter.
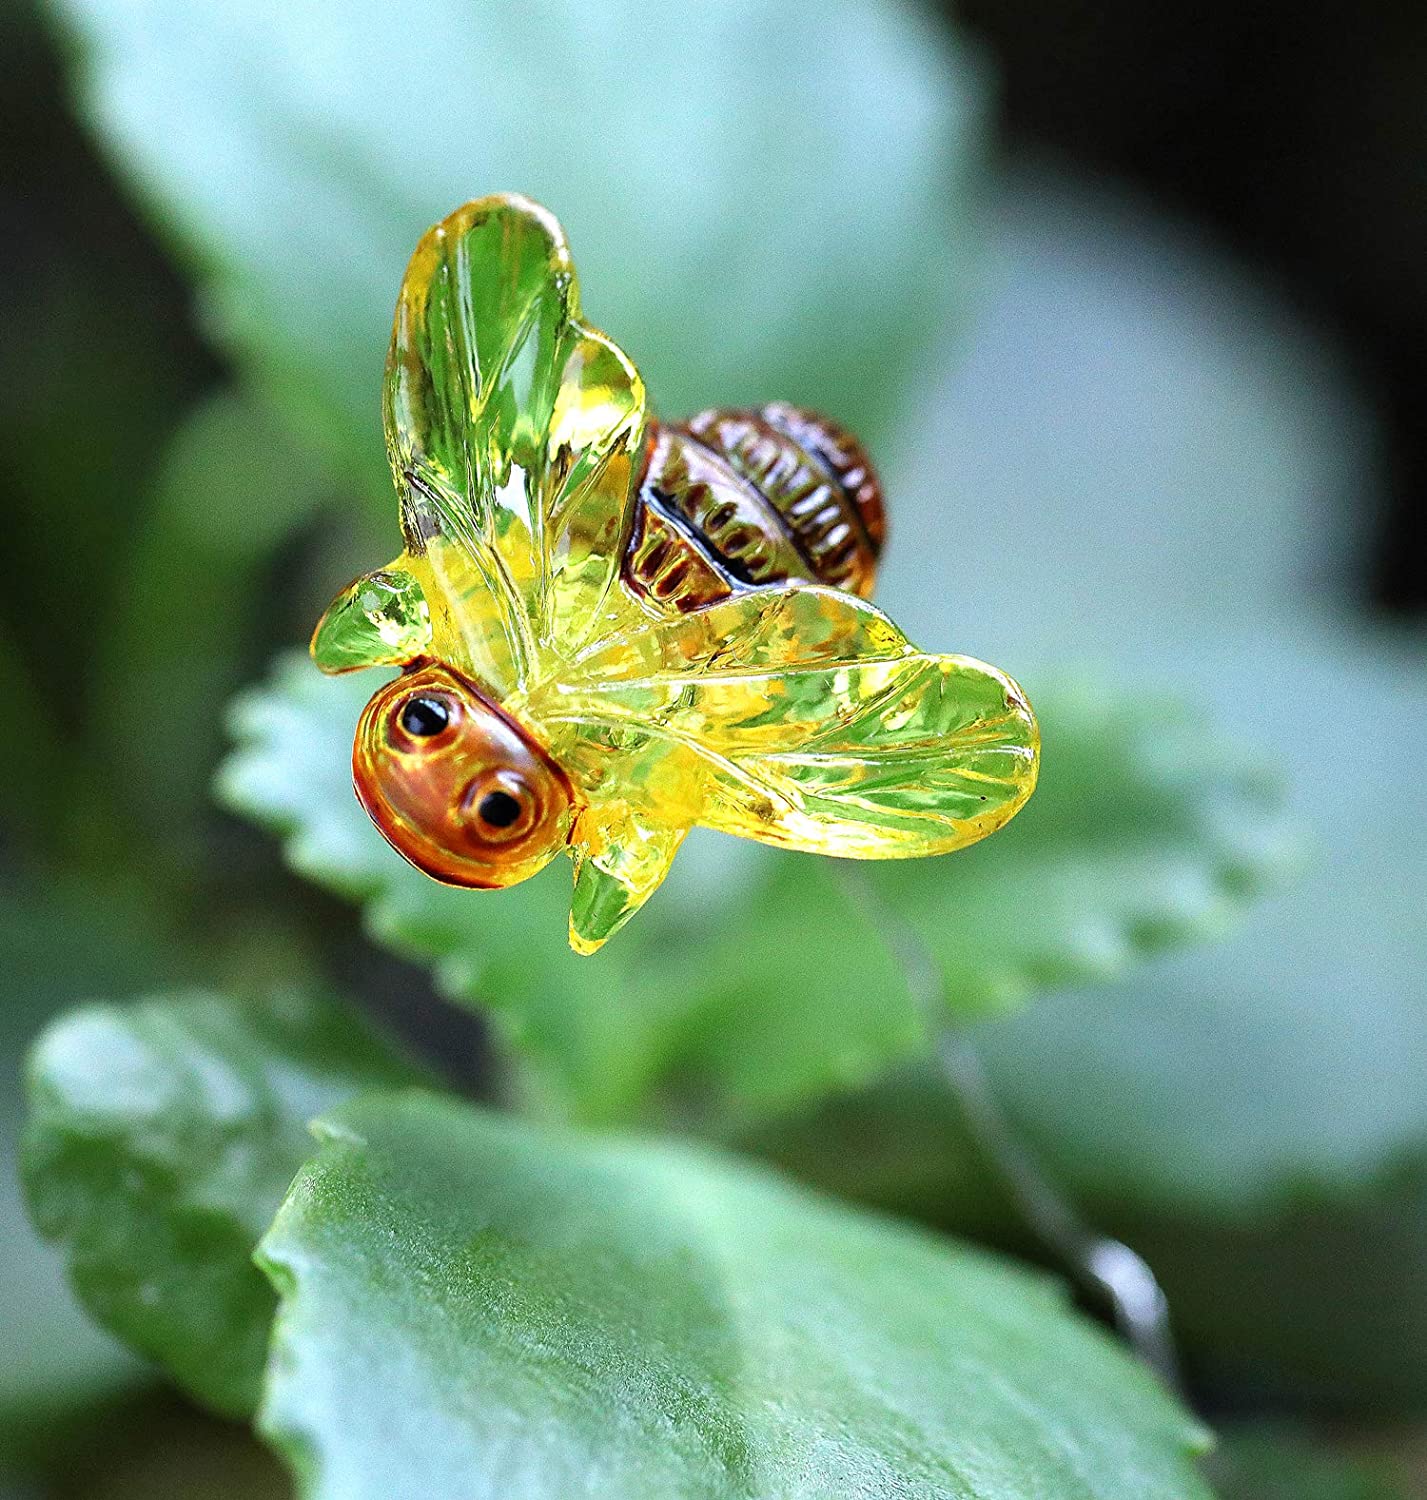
x: 188, y: 609
x: 474, y: 1306
x: 1279, y: 1463
x: 732, y: 230
x: 161, y: 1139
x: 94, y: 344
x: 1148, y: 829
x: 753, y: 979
x: 56, y: 1361
x: 1135, y: 444
x: 1285, y: 1063
x: 1249, y: 1116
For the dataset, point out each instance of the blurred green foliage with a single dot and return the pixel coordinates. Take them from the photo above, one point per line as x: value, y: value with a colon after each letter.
x: 316, y: 147
x: 162, y: 1138
x: 54, y: 1355
x: 1115, y: 466
x: 1280, y: 1463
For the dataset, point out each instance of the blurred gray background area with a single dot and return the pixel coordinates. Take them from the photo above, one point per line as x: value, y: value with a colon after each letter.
x: 1169, y: 431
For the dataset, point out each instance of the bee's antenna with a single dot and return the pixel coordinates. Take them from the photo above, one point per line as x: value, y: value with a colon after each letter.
x: 1102, y: 1265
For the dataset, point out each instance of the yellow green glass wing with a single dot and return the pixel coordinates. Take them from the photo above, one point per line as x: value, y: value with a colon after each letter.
x: 802, y: 716
x: 514, y: 430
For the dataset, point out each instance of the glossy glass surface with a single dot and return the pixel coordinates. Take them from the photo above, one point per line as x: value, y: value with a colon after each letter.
x: 456, y: 784
x: 794, y: 714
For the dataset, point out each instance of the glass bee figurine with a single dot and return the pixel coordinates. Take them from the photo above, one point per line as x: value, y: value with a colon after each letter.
x: 612, y: 628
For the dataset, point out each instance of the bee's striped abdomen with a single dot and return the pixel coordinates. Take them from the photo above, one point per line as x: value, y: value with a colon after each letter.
x: 742, y: 499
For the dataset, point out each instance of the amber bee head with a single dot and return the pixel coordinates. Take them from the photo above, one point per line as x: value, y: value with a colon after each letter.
x: 455, y: 784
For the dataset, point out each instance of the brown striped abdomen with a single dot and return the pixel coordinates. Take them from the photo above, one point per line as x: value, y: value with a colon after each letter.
x: 742, y: 499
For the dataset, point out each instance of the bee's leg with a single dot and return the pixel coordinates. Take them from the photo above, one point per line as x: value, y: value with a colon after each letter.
x: 620, y: 861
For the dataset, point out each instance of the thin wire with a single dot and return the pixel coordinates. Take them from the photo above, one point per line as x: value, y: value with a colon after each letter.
x: 1102, y: 1265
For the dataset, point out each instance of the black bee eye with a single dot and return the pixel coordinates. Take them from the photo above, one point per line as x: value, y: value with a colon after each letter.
x: 499, y: 809
x: 423, y: 717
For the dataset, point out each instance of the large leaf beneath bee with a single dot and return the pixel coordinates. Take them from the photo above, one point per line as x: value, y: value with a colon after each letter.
x: 513, y: 431
x: 751, y: 978
x: 554, y: 1314
x: 811, y: 721
x: 551, y: 1312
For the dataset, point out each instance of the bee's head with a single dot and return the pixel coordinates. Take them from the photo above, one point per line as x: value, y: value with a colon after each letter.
x: 455, y: 784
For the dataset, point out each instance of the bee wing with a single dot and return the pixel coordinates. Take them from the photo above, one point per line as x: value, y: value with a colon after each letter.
x: 812, y: 722
x: 514, y: 432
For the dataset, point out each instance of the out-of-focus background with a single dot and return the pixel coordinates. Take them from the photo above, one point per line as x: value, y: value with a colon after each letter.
x: 1130, y: 302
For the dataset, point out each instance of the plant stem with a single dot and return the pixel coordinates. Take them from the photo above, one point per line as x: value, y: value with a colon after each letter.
x: 1107, y: 1268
